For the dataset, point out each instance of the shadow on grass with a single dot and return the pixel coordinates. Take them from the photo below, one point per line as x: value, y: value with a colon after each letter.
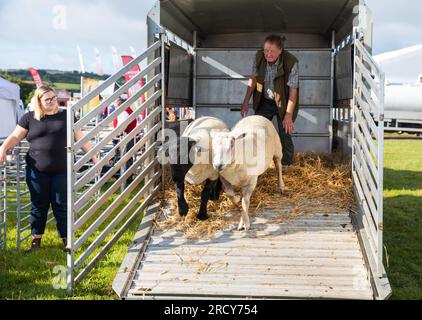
x: 403, y: 233
x: 403, y: 241
x: 402, y: 179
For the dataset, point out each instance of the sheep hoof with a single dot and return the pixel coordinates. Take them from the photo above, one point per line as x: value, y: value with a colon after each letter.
x: 243, y: 227
x: 280, y: 190
x: 202, y: 217
x: 183, y: 210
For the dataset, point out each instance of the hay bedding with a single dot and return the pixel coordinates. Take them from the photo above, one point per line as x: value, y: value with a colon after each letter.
x: 315, y: 183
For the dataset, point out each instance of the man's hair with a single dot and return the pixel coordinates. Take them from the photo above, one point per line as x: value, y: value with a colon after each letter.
x: 275, y: 39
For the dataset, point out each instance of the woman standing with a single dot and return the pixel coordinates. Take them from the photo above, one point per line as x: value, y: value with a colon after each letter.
x: 45, y: 130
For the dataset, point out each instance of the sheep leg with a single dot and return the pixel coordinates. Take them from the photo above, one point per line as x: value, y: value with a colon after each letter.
x: 205, y: 195
x: 278, y: 167
x: 181, y: 201
x: 246, y: 195
x: 215, y: 192
x: 229, y: 191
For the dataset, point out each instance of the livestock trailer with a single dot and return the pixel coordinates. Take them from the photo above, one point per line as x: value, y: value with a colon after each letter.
x: 208, y: 51
x: 200, y: 55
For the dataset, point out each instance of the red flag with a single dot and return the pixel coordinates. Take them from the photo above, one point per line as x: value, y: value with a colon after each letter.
x: 130, y: 74
x: 99, y: 62
x: 36, y: 77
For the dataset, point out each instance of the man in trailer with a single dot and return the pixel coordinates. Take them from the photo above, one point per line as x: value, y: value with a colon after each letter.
x: 274, y: 84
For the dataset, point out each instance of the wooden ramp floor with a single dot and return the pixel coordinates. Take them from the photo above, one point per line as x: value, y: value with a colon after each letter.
x: 314, y: 256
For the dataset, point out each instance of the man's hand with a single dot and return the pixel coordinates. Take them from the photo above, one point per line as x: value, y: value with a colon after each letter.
x: 249, y: 93
x: 288, y: 123
x: 244, y: 110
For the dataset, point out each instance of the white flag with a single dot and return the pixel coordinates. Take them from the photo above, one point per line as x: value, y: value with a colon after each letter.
x: 100, y: 71
x: 115, y: 59
x: 81, y: 60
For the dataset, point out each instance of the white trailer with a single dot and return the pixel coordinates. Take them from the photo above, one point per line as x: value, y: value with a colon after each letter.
x: 403, y: 108
x: 403, y: 90
x: 200, y: 53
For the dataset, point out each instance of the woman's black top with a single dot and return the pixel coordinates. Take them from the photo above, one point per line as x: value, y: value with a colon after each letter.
x: 47, y: 142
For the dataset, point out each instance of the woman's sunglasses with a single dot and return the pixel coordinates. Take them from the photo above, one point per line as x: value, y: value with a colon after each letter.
x: 49, y: 100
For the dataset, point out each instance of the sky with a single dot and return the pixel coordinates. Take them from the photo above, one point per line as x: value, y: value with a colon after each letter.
x: 45, y: 34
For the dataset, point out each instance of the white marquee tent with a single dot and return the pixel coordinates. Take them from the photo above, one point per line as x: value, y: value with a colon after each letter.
x: 10, y: 107
x: 402, y: 66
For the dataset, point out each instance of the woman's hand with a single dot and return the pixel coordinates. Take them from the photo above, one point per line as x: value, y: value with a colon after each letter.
x: 15, y: 137
x: 95, y: 160
x: 87, y: 147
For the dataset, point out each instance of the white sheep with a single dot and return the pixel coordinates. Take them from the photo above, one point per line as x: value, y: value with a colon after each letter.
x: 190, y: 161
x: 243, y: 154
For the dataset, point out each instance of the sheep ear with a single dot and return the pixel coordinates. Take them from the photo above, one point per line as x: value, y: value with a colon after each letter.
x: 192, y: 140
x: 240, y: 136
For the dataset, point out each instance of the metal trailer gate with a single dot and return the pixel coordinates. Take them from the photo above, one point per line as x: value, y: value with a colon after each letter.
x: 93, y: 224
x: 359, y: 128
x: 3, y: 211
x: 367, y: 159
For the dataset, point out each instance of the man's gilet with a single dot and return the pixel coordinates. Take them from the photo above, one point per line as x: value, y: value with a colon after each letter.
x: 281, y: 89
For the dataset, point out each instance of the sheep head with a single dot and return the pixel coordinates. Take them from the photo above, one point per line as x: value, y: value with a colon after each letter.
x: 224, y: 148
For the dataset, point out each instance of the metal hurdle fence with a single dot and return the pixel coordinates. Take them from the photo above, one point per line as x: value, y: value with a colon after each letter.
x: 97, y: 212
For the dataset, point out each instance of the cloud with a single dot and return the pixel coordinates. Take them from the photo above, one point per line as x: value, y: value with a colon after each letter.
x: 396, y: 26
x: 57, y: 58
x: 35, y: 30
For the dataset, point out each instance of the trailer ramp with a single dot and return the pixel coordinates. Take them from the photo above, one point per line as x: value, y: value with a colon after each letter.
x: 315, y: 256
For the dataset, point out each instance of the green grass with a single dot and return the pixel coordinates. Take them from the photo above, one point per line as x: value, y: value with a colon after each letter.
x: 402, y: 217
x: 67, y: 86
x: 33, y: 276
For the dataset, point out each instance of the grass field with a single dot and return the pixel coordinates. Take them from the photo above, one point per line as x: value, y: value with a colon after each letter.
x: 35, y: 275
x: 402, y: 217
x: 32, y: 277
x: 68, y: 86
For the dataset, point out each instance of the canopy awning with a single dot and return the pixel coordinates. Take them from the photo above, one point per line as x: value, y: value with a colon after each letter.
x: 9, y: 90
